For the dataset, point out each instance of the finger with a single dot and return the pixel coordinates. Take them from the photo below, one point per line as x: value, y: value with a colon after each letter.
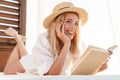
x: 62, y: 28
x: 58, y: 28
x: 103, y: 67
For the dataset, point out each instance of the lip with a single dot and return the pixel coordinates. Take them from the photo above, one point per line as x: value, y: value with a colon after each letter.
x: 70, y: 34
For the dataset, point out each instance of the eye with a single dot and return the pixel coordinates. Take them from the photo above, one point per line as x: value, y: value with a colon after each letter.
x: 76, y: 24
x: 68, y: 21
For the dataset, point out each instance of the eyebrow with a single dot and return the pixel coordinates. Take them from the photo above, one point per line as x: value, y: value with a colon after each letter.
x: 71, y: 19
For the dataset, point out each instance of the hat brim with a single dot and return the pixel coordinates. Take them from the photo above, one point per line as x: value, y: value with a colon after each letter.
x: 81, y: 13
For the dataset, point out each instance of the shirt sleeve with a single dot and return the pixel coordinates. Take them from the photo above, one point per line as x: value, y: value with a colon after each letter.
x: 41, y: 59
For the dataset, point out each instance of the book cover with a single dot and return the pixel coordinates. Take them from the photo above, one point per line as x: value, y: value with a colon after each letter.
x: 91, y: 60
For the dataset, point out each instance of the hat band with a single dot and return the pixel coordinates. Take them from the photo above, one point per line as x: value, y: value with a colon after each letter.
x: 64, y: 8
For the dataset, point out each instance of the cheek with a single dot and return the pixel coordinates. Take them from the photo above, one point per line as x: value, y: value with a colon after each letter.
x: 76, y: 28
x: 65, y: 27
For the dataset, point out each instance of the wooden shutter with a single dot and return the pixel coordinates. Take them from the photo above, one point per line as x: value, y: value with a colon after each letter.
x: 12, y: 14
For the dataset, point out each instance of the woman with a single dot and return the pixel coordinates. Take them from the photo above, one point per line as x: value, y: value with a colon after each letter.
x: 56, y: 50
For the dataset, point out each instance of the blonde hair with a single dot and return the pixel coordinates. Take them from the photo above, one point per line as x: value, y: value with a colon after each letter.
x: 56, y: 43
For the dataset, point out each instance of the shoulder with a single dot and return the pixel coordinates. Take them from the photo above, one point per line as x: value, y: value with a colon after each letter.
x: 43, y: 40
x: 44, y: 37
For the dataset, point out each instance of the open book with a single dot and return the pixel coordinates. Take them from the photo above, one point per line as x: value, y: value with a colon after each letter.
x: 91, y: 60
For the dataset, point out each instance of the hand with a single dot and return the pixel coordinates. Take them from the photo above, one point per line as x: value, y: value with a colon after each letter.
x: 61, y: 34
x: 11, y: 32
x: 103, y: 67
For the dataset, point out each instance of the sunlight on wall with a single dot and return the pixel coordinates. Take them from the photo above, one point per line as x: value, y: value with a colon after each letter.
x: 31, y: 24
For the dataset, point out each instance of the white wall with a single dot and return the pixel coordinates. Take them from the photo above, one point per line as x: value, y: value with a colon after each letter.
x: 31, y: 24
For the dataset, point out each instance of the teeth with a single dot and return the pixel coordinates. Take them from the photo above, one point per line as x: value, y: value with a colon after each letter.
x: 71, y: 32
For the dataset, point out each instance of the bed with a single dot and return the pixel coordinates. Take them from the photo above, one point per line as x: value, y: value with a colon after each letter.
x: 77, y: 77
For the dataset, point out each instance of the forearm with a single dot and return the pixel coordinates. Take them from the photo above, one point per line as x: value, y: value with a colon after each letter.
x: 13, y: 68
x: 21, y: 46
x: 13, y: 64
x: 57, y: 66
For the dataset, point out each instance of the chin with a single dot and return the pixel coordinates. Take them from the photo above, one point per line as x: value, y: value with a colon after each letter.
x: 71, y: 38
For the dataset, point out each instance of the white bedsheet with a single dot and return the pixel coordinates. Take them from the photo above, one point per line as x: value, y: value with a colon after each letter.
x: 76, y: 77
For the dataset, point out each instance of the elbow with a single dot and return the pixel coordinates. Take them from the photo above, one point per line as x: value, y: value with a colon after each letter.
x: 8, y: 72
x: 5, y: 71
x: 53, y: 73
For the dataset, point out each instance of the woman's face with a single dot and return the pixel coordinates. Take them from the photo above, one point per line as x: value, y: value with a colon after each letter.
x: 70, y: 24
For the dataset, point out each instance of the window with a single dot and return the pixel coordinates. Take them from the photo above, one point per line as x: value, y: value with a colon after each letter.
x: 12, y: 14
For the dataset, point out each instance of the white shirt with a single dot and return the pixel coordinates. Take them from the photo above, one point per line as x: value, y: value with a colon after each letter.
x: 40, y: 61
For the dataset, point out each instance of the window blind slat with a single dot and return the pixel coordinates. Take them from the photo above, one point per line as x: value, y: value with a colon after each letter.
x: 6, y: 47
x: 15, y: 0
x: 2, y: 33
x: 9, y: 15
x: 7, y: 41
x: 9, y: 22
x: 9, y: 3
x: 3, y: 27
x: 9, y: 9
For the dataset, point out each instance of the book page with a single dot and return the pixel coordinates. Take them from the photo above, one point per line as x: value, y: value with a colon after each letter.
x: 90, y: 61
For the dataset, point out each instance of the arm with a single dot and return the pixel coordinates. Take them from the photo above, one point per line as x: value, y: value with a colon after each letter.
x: 13, y: 64
x: 57, y: 66
x: 19, y: 41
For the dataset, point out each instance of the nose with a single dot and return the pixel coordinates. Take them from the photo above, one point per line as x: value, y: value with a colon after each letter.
x: 72, y: 26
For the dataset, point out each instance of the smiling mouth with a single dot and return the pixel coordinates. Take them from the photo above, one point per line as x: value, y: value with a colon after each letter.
x: 70, y: 32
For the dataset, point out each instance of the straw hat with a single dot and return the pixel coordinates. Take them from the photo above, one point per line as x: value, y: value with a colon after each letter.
x: 65, y: 7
